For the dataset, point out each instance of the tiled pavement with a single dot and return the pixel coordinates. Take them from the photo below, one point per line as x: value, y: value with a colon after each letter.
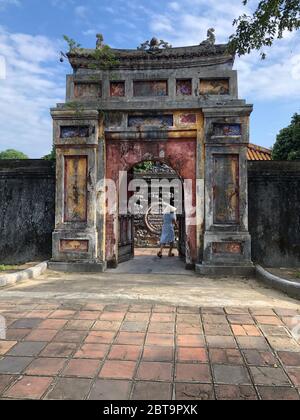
x: 119, y: 351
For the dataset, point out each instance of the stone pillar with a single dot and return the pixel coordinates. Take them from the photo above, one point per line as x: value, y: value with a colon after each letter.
x: 227, y: 243
x: 76, y: 236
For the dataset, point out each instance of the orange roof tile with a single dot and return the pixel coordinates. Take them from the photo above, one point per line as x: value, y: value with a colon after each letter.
x: 258, y: 153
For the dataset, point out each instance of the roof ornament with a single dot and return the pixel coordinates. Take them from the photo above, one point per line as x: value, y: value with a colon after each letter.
x: 211, y: 38
x: 100, y: 42
x: 154, y: 46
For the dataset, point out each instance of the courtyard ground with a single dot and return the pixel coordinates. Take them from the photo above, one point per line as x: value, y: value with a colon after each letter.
x: 125, y: 335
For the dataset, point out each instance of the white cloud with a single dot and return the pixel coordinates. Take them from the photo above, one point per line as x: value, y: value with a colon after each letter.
x: 81, y: 11
x: 5, y: 3
x: 33, y: 84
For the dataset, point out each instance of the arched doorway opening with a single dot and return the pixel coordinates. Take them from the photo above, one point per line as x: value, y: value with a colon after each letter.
x: 151, y: 186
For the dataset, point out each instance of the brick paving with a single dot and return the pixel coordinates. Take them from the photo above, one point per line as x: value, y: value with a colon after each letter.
x: 99, y: 351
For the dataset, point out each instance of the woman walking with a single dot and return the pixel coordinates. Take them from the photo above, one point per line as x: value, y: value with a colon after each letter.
x: 168, y: 230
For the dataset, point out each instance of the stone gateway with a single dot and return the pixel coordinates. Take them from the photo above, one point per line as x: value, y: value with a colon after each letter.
x: 178, y: 106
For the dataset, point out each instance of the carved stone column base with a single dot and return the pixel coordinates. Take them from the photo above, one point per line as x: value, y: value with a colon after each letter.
x: 78, y: 267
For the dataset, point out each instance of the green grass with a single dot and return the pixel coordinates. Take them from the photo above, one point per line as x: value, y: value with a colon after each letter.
x: 7, y: 267
x: 297, y: 275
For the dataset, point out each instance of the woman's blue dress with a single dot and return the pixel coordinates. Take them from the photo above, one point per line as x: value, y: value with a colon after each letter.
x: 168, y: 232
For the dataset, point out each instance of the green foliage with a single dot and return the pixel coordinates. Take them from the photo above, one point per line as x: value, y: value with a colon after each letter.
x: 7, y: 267
x: 71, y: 43
x: 269, y: 21
x: 51, y: 156
x: 144, y: 166
x: 287, y: 146
x: 76, y: 107
x: 12, y: 154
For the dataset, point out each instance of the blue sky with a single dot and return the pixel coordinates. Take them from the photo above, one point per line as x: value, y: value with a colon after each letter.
x: 32, y: 80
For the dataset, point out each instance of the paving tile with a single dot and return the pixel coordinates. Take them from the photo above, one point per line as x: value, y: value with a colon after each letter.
x: 191, y: 372
x: 79, y: 325
x: 53, y: 324
x: 59, y: 350
x: 275, y: 331
x: 294, y: 374
x: 119, y: 307
x: 284, y: 344
x: 137, y: 317
x: 190, y: 340
x: 100, y: 337
x: 236, y: 393
x: 130, y: 338
x: 226, y: 356
x: 88, y: 315
x: 92, y: 351
x: 241, y: 319
x: 262, y: 311
x: 132, y: 326
x: 41, y: 335
x: 215, y: 319
x: 155, y: 371
x: 289, y: 358
x: 283, y: 312
x: 70, y: 336
x: 161, y: 327
x: 45, y: 367
x: 269, y: 376
x: 163, y: 318
x: 140, y: 308
x: 118, y: 370
x: 192, y: 354
x: 260, y: 358
x: 63, y: 314
x: 112, y: 316
x: 215, y: 329
x: 290, y: 322
x: 189, y: 329
x: 27, y: 348
x: 82, y: 368
x: 26, y: 323
x: 14, y: 365
x: 213, y: 311
x: 268, y: 320
x: 105, y: 390
x: 152, y: 391
x: 231, y: 375
x: 221, y: 342
x: 5, y: 346
x: 94, y: 306
x: 158, y: 354
x: 187, y: 310
x: 70, y: 389
x: 29, y: 388
x: 252, y: 343
x: 236, y: 311
x: 246, y: 330
x: 17, y: 334
x: 42, y: 313
x: 107, y: 325
x: 153, y: 339
x: 189, y: 319
x: 125, y: 352
x: 278, y: 393
x: 194, y: 392
x: 5, y: 381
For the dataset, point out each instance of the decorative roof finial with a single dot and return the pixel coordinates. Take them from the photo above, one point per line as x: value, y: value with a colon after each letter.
x: 154, y: 45
x: 211, y: 38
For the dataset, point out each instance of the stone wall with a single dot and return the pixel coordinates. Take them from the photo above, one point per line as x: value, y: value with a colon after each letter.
x: 274, y: 212
x: 27, y: 210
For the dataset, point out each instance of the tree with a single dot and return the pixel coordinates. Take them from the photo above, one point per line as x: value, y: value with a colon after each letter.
x: 51, y: 156
x: 12, y: 154
x: 287, y: 146
x: 269, y: 22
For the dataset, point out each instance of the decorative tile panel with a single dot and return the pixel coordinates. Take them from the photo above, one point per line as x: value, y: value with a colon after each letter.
x: 227, y: 130
x: 75, y: 191
x: 184, y: 87
x: 187, y: 119
x: 226, y: 189
x: 117, y: 89
x: 227, y: 248
x: 151, y: 120
x: 150, y: 88
x: 67, y: 245
x: 74, y: 131
x: 87, y: 90
x: 214, y: 87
